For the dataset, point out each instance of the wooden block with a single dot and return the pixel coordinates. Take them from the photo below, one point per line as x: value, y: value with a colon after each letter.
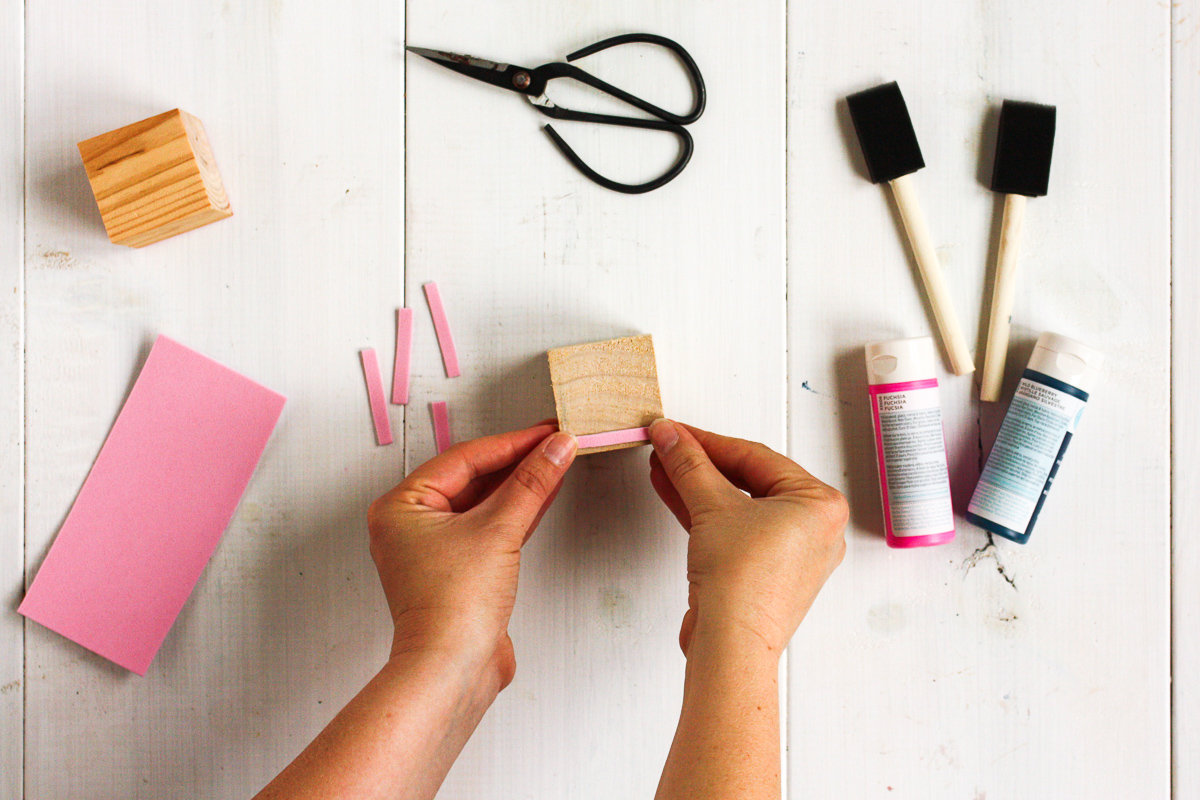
x: 154, y: 179
x: 605, y: 386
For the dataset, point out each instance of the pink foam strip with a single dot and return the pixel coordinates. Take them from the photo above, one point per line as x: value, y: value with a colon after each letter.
x: 162, y: 491
x: 401, y: 367
x: 383, y: 426
x: 441, y: 426
x: 441, y: 326
x: 614, y: 437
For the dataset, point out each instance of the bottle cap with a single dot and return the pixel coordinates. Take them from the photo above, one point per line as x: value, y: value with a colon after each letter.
x: 901, y: 361
x: 1069, y: 361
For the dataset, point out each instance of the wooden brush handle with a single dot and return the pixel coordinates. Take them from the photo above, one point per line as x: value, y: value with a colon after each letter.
x: 1002, y: 297
x: 931, y: 274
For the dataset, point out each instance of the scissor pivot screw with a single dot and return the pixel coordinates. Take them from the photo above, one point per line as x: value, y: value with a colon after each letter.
x: 521, y: 80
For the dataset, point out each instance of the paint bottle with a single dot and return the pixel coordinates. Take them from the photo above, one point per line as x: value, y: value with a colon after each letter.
x: 914, y: 480
x: 1040, y: 422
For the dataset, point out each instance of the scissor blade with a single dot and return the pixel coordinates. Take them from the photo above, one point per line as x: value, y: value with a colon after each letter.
x: 478, y: 68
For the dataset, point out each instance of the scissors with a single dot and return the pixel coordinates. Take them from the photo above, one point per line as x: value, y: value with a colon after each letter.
x: 532, y: 83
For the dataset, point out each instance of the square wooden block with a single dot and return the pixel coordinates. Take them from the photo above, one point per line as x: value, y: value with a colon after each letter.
x: 605, y: 386
x: 154, y: 179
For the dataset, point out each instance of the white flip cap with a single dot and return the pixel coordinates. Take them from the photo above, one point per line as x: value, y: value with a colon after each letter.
x: 1069, y: 361
x: 901, y: 361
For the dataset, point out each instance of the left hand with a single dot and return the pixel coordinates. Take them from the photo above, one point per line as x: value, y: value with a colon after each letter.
x: 447, y: 543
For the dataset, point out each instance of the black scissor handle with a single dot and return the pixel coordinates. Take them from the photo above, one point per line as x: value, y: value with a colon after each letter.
x: 648, y: 38
x: 666, y: 121
x: 685, y: 139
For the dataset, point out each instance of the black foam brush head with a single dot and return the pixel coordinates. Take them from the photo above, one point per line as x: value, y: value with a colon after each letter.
x: 1024, y: 145
x: 885, y: 132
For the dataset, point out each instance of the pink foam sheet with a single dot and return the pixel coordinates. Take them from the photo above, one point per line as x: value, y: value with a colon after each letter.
x: 383, y: 426
x: 157, y: 500
x: 402, y: 366
x: 441, y: 326
x: 625, y: 436
x: 441, y: 426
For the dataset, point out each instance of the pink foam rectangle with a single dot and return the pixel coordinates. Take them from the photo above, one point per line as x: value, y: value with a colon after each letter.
x: 441, y: 326
x: 626, y: 436
x: 383, y: 426
x: 441, y: 426
x: 162, y: 491
x: 402, y: 366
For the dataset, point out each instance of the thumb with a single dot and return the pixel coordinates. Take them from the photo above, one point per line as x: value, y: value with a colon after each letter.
x: 518, y: 502
x: 688, y: 467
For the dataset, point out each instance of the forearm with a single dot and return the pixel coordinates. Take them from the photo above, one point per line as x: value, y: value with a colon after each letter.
x: 727, y: 742
x: 397, y: 738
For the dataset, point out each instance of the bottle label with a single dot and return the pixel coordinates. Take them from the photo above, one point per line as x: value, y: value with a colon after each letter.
x: 913, y: 477
x: 1028, y: 450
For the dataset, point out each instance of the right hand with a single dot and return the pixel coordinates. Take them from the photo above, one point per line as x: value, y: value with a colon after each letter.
x: 755, y: 561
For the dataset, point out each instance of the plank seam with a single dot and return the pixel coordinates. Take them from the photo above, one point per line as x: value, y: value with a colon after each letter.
x: 784, y: 716
x: 1172, y: 755
x: 22, y: 391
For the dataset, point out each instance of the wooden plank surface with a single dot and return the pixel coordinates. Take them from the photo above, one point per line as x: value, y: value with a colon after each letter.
x: 983, y: 669
x: 12, y: 395
x: 531, y: 256
x: 303, y: 111
x: 1185, y: 246
x: 971, y: 670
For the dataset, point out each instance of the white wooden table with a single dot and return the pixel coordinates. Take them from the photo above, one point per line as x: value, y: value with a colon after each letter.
x: 973, y: 670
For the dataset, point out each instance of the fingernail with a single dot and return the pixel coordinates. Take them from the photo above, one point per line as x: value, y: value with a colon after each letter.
x: 560, y: 448
x: 663, y: 435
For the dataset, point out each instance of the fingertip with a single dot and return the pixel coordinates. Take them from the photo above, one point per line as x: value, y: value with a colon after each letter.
x: 560, y: 449
x: 663, y: 435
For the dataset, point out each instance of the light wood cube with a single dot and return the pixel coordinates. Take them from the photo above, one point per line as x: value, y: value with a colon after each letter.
x: 154, y: 179
x: 605, y: 386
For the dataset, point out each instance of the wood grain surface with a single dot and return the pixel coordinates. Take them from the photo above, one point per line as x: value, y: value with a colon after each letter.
x: 985, y: 668
x: 979, y: 669
x: 606, y: 386
x: 1185, y: 285
x: 154, y: 178
x: 533, y: 256
x: 12, y: 397
x: 288, y: 621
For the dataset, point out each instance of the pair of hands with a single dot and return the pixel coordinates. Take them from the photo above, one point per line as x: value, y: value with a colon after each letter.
x: 764, y: 535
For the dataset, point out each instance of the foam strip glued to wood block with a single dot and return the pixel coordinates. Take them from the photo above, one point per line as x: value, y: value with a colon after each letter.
x: 154, y: 179
x: 603, y: 387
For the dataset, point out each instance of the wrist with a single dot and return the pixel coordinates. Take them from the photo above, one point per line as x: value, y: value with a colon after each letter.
x: 471, y: 683
x: 452, y: 633
x: 728, y: 637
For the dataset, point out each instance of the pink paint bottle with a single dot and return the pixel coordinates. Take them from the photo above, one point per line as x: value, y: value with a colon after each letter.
x: 914, y: 479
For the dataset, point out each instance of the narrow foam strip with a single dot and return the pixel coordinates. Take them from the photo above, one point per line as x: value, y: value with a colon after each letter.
x: 402, y: 365
x: 383, y: 426
x: 441, y: 326
x: 626, y: 436
x: 441, y: 425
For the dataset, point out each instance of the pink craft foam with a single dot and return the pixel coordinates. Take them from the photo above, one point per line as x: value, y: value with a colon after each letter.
x: 441, y: 426
x: 441, y: 326
x: 162, y: 491
x: 383, y: 426
x: 402, y: 365
x: 607, y: 438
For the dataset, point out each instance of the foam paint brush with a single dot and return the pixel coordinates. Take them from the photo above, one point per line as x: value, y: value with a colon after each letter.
x: 889, y: 144
x: 1024, y: 145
